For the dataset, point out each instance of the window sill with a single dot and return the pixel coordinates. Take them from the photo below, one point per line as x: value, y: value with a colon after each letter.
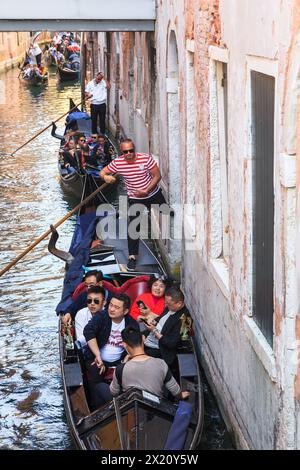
x: 261, y: 347
x: 219, y: 270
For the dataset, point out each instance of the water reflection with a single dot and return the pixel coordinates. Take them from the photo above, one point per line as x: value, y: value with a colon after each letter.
x: 31, y: 413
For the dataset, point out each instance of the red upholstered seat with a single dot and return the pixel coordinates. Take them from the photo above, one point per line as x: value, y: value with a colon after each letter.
x: 133, y: 287
x: 136, y: 289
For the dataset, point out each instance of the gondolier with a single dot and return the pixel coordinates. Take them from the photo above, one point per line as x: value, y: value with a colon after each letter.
x: 141, y: 176
x: 35, y: 52
x: 97, y: 89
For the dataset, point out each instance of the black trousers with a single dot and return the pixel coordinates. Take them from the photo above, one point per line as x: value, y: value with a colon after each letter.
x: 38, y: 59
x: 157, y: 198
x: 98, y: 110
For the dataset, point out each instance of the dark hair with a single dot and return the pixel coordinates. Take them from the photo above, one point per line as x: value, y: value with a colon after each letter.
x: 96, y: 290
x: 175, y: 293
x: 123, y: 298
x: 153, y: 279
x: 102, y: 136
x: 132, y: 336
x: 80, y: 136
x: 94, y: 272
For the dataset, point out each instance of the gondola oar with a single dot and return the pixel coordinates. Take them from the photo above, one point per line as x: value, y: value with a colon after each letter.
x: 43, y: 130
x: 45, y: 235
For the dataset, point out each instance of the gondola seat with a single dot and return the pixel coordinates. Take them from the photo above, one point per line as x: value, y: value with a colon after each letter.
x: 136, y: 289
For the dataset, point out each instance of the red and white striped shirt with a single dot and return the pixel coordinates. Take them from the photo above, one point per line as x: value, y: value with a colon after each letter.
x: 136, y: 175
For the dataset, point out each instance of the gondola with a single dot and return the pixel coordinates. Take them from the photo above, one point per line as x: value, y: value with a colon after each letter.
x: 136, y: 419
x: 67, y: 74
x: 73, y: 184
x: 36, y: 78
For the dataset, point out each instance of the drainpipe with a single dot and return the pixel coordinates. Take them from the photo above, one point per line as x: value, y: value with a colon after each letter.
x: 108, y: 49
x: 83, y: 65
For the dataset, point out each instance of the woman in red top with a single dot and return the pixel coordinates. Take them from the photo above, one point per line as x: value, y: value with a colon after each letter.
x: 154, y: 301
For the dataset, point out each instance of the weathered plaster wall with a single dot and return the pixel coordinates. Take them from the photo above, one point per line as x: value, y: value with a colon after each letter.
x: 253, y: 383
x: 12, y: 48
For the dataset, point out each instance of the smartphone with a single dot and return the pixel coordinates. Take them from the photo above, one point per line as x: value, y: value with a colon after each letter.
x: 141, y: 304
x: 144, y: 320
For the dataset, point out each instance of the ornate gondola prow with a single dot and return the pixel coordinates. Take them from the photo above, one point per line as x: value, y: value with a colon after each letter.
x: 72, y: 106
x: 63, y: 255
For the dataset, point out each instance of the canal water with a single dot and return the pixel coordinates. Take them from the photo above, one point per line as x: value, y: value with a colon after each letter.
x: 31, y: 401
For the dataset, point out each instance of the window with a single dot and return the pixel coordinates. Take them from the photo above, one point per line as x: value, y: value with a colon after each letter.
x: 191, y: 127
x: 219, y: 245
x: 262, y: 125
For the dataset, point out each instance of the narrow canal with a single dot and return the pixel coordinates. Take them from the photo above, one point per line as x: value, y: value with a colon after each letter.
x: 31, y: 400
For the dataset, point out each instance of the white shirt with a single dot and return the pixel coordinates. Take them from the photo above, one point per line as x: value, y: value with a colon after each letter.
x: 113, y: 350
x: 56, y: 39
x: 81, y: 320
x: 98, y: 90
x: 35, y: 50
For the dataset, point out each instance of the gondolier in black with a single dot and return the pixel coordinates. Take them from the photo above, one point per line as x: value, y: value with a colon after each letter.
x: 97, y: 90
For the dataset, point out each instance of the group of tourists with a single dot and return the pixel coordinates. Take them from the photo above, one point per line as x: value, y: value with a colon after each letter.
x: 135, y: 344
x: 79, y: 153
x: 65, y: 51
x: 32, y: 66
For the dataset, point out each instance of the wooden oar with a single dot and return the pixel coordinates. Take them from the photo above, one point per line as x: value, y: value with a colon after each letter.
x: 43, y: 130
x: 45, y: 235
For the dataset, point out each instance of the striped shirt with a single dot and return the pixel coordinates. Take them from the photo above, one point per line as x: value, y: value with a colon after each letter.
x: 136, y: 175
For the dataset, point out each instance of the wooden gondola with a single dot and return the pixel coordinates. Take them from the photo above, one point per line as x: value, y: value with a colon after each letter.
x: 35, y: 79
x: 136, y: 419
x: 67, y: 74
x: 74, y: 183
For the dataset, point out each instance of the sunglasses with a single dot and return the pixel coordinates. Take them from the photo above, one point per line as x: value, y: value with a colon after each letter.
x: 82, y: 140
x: 93, y: 136
x: 127, y: 151
x: 160, y: 277
x: 90, y: 301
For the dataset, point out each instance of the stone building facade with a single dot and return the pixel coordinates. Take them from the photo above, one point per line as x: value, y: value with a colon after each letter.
x: 213, y: 94
x: 12, y: 48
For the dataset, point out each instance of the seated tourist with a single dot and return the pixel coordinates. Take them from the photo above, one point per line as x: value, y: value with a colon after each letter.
x: 92, y: 141
x: 104, y: 150
x: 102, y: 159
x: 150, y: 305
x: 80, y: 141
x: 68, y: 157
x: 91, y: 279
x: 165, y: 334
x: 60, y: 57
x: 28, y: 71
x: 95, y: 303
x: 86, y: 157
x: 142, y: 371
x: 103, y: 336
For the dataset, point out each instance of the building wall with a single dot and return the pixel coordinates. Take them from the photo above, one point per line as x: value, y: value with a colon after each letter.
x: 253, y: 381
x: 175, y: 114
x: 12, y: 48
